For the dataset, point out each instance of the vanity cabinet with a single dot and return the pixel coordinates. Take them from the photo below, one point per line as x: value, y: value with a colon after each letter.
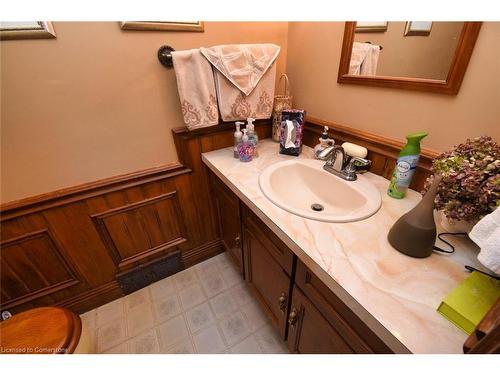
x: 268, y: 268
x: 228, y: 210
x: 306, y: 313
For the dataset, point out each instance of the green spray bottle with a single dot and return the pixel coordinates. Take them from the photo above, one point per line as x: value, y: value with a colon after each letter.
x: 405, y: 166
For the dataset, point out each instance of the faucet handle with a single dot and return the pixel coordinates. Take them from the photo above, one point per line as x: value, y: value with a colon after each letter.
x: 351, y: 166
x: 322, y: 155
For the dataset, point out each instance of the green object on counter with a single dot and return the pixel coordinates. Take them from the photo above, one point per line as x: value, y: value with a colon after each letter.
x: 469, y: 302
x: 405, y: 166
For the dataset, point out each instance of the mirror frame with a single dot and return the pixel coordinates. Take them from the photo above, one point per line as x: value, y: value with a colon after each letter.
x: 449, y: 86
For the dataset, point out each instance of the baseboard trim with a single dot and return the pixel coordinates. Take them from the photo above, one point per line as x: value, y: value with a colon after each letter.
x: 93, y: 298
x: 110, y: 291
x: 200, y: 253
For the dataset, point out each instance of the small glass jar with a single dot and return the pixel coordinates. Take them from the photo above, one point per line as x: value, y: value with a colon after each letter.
x: 246, y: 151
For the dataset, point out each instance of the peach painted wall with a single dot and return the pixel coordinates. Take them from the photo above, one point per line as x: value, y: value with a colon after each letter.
x: 95, y: 102
x: 314, y: 50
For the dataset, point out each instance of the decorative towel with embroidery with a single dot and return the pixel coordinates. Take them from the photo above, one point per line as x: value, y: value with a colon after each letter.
x: 195, y: 83
x: 244, y: 79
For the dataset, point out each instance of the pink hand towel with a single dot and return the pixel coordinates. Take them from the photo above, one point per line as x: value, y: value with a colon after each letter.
x: 195, y: 83
x: 244, y: 79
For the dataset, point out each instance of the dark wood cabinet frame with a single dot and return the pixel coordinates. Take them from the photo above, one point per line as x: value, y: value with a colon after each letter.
x: 449, y: 86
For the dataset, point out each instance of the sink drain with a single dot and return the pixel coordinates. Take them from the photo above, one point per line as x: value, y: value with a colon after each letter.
x: 317, y: 207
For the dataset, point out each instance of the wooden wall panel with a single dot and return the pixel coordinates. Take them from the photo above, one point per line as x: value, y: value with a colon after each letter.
x: 109, y: 227
x: 32, y: 267
x: 137, y: 231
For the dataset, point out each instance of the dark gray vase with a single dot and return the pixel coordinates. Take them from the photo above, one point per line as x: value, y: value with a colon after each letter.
x: 414, y: 233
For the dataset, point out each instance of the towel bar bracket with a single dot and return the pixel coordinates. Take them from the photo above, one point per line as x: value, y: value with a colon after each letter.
x: 165, y: 56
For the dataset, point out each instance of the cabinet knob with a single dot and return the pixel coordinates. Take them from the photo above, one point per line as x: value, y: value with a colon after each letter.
x: 292, y: 318
x: 282, y: 302
x: 237, y: 240
x: 6, y: 315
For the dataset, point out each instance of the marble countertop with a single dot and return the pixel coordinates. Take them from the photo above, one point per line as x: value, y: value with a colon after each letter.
x: 396, y: 293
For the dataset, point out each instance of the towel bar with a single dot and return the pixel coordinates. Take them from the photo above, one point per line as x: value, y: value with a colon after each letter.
x: 165, y: 56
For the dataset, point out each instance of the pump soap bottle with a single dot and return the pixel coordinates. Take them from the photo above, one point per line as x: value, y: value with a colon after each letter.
x: 237, y: 138
x: 252, y: 135
x: 246, y: 148
x: 324, y: 142
x: 405, y: 166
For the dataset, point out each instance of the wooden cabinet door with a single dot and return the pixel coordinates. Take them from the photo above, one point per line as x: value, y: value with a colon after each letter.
x: 351, y: 327
x: 267, y: 279
x: 309, y: 332
x: 228, y: 209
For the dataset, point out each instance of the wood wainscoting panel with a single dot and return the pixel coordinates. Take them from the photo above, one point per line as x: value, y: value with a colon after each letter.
x: 33, y: 266
x: 117, y: 225
x: 138, y: 231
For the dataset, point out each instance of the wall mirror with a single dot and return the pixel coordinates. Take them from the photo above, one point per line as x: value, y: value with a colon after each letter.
x: 413, y: 55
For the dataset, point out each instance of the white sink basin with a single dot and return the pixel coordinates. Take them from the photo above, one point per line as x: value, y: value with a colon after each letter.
x: 297, y: 185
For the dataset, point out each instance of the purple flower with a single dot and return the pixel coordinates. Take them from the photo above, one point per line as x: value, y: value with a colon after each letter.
x: 470, y: 188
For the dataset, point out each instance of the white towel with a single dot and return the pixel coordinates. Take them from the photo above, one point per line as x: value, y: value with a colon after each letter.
x: 364, y: 59
x: 244, y: 79
x: 369, y: 65
x: 486, y: 234
x: 195, y: 83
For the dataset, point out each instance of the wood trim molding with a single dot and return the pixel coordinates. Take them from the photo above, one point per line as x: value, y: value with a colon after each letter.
x: 202, y: 252
x: 450, y: 85
x: 382, y: 151
x: 383, y: 145
x: 94, y: 297
x: 75, y: 193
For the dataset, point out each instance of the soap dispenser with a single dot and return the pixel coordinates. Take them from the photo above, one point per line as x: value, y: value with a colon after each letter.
x: 237, y: 138
x: 246, y: 148
x: 252, y: 135
x: 324, y: 142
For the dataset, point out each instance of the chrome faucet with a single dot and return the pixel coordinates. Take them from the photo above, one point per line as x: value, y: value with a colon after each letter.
x: 347, y: 165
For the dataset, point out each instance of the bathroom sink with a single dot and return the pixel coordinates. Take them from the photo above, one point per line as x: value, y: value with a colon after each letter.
x: 303, y: 188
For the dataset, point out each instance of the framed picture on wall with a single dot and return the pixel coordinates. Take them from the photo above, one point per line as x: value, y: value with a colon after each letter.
x: 418, y: 28
x: 26, y: 30
x: 371, y: 27
x: 196, y: 26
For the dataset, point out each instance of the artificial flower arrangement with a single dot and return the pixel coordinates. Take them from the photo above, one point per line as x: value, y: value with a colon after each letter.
x: 470, y: 188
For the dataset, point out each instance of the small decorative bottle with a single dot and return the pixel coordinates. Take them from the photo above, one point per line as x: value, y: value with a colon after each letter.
x: 237, y: 139
x: 324, y: 142
x: 246, y: 148
x: 252, y: 135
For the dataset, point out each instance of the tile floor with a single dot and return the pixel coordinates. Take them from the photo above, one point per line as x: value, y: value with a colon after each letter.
x: 203, y: 309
